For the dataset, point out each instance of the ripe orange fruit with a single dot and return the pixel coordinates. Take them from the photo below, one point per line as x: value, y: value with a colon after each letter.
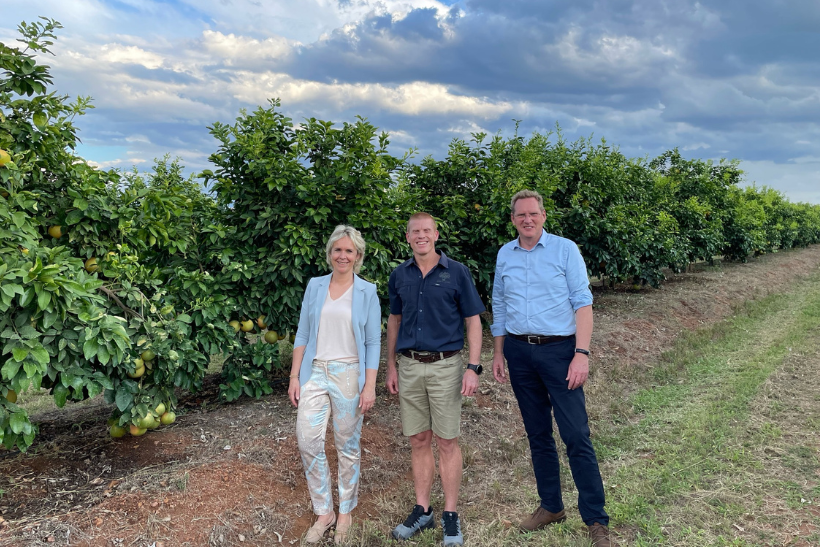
x: 260, y: 321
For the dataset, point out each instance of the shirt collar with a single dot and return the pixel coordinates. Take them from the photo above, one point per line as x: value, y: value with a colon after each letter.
x: 541, y: 241
x: 442, y: 260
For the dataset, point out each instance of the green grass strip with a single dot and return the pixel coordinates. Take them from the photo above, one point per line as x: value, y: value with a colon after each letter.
x: 686, y: 426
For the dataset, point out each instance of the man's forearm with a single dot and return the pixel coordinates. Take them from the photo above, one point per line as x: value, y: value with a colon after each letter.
x: 393, y: 322
x: 583, y: 327
x: 474, y: 338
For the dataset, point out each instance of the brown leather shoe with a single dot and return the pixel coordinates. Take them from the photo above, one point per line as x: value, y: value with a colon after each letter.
x: 599, y: 535
x: 542, y: 518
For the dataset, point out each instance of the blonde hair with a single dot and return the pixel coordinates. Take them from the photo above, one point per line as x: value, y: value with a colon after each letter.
x: 342, y: 231
x: 524, y: 194
x: 419, y: 216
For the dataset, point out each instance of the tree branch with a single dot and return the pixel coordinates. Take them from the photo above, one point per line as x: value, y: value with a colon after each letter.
x: 113, y: 296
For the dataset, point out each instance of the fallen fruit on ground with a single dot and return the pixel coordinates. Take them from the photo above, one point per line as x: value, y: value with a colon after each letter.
x: 271, y: 337
x: 136, y: 431
x: 168, y: 418
x: 117, y: 431
x: 55, y: 231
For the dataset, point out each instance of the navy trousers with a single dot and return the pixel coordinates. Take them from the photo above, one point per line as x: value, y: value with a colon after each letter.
x: 538, y: 376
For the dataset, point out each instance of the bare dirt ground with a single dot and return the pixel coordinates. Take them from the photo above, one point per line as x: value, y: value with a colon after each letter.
x: 231, y: 474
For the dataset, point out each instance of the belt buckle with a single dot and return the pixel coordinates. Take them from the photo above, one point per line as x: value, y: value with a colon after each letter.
x: 531, y: 337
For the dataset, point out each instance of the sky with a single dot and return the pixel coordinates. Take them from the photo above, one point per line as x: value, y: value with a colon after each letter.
x: 736, y: 79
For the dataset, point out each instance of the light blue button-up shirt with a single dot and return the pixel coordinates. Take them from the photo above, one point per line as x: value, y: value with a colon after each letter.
x: 537, y: 291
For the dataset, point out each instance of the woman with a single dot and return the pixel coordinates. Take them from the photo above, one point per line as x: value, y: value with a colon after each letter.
x: 335, y: 361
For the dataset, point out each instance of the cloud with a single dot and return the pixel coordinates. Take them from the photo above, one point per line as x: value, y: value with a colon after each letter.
x: 717, y: 78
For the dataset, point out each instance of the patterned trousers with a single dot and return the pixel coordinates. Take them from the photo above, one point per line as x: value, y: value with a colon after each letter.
x: 333, y: 388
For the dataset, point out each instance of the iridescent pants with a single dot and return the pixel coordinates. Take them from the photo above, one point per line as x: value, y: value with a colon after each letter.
x: 333, y: 388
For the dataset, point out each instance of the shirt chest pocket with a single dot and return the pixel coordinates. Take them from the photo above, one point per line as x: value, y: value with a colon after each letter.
x: 438, y: 292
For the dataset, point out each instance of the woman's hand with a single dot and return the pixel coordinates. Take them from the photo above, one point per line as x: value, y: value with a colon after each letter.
x: 367, y: 398
x: 293, y: 391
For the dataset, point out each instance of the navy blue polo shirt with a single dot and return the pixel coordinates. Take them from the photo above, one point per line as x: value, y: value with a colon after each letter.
x: 432, y: 308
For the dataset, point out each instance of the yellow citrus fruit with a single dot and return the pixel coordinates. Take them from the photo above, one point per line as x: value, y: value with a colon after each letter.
x: 168, y: 418
x: 136, y: 431
x: 246, y: 326
x: 137, y: 373
x: 261, y: 322
x: 148, y: 355
x: 271, y: 337
x: 160, y: 410
x: 116, y: 431
x: 91, y: 265
x: 234, y: 324
x: 149, y: 422
x: 56, y: 232
x: 4, y: 158
x: 11, y: 396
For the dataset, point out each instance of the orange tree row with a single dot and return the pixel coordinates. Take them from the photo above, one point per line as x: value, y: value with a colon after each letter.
x: 126, y: 284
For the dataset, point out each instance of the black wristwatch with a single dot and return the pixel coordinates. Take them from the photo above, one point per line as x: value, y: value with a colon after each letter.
x: 584, y: 351
x: 478, y: 369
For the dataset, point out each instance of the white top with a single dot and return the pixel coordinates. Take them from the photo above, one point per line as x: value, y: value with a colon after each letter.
x: 335, y: 340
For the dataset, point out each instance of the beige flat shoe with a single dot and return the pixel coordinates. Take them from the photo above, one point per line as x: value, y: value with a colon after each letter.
x: 341, y: 532
x: 317, y: 531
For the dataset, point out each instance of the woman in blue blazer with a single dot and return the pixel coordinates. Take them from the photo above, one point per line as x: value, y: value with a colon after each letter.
x: 335, y: 360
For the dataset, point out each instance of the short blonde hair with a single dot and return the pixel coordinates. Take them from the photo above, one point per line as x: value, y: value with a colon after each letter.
x: 524, y: 194
x: 419, y: 216
x: 342, y: 231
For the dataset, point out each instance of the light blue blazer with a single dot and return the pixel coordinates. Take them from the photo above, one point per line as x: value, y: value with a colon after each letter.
x: 367, y: 319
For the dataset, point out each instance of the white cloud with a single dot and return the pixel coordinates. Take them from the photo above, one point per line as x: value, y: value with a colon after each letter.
x: 412, y: 99
x: 116, y: 53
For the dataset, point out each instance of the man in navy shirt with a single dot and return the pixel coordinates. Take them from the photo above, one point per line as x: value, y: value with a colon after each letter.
x: 542, y: 325
x: 432, y: 297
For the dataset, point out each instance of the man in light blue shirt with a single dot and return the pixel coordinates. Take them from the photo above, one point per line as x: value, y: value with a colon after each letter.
x: 542, y: 326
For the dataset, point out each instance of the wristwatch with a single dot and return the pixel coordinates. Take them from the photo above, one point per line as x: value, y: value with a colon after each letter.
x: 584, y: 351
x: 478, y: 369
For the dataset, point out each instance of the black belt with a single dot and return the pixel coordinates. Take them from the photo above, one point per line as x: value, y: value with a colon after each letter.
x: 537, y: 339
x: 428, y: 356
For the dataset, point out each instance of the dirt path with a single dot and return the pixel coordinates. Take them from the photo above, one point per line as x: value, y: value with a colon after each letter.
x: 231, y: 475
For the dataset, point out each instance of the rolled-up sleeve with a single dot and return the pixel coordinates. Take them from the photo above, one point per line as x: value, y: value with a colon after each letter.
x: 373, y: 331
x: 499, y: 305
x: 577, y: 280
x: 303, y: 330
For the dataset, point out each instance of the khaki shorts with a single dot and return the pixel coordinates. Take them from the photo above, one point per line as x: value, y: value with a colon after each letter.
x: 430, y: 396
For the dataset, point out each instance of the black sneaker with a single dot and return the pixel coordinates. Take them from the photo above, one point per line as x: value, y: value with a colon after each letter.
x: 452, y: 529
x: 416, y: 522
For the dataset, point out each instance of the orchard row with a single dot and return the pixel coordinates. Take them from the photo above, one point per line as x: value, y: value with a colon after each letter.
x: 126, y: 284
